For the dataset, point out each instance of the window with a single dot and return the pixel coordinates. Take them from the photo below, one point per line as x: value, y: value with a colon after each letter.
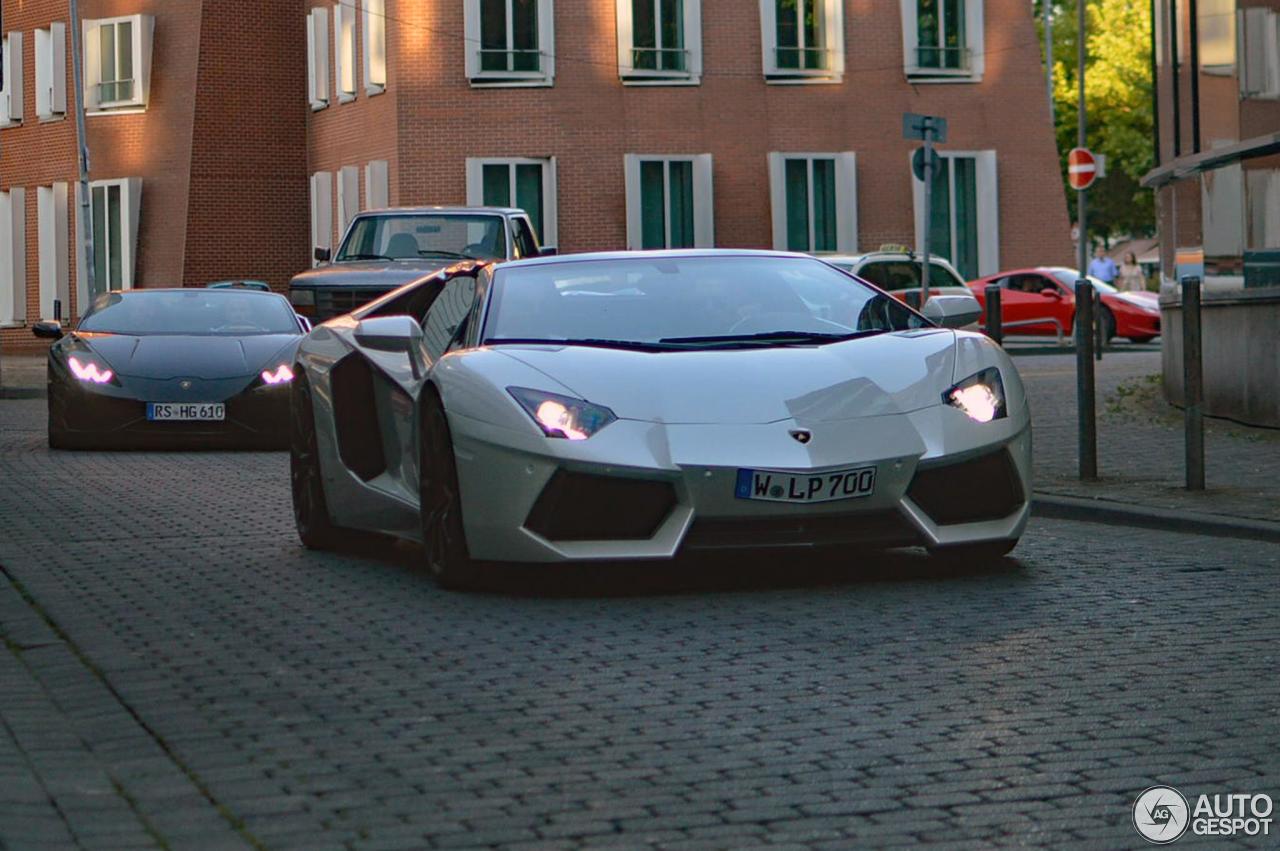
x: 318, y: 57
x: 965, y: 213
x: 321, y: 212
x: 802, y: 40
x: 114, y: 207
x: 1217, y: 31
x: 659, y: 41
x: 509, y: 42
x: 344, y: 50
x: 117, y: 62
x: 669, y: 201
x: 529, y: 184
x: 815, y: 201
x: 51, y: 218
x: 51, y: 71
x: 1259, y: 54
x: 348, y: 196
x: 11, y: 92
x: 443, y: 321
x: 376, y: 185
x: 942, y: 39
x: 375, y: 46
x: 13, y: 256
x: 522, y: 239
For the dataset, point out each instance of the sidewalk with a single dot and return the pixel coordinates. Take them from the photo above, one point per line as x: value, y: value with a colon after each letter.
x: 22, y: 376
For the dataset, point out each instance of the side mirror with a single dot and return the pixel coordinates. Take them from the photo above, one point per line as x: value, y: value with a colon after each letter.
x: 548, y: 251
x: 389, y: 333
x: 321, y: 255
x: 47, y: 330
x: 1051, y: 292
x: 952, y: 311
x: 305, y: 323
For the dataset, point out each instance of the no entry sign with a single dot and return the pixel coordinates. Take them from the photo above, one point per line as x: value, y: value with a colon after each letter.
x: 1082, y: 168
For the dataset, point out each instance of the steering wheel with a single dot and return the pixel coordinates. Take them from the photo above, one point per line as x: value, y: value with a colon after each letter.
x: 761, y: 323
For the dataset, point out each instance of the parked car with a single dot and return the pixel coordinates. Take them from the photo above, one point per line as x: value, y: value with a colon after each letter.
x: 594, y: 407
x: 896, y: 270
x: 173, y: 367
x: 1048, y: 293
x: 385, y: 249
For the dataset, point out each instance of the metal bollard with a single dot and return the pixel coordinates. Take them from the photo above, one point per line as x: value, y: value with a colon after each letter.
x: 994, y: 319
x: 1192, y: 383
x: 57, y: 309
x: 1099, y: 325
x: 1087, y: 441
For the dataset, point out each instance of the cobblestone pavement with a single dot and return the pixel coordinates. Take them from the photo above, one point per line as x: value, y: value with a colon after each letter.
x: 178, y: 672
x: 1140, y: 457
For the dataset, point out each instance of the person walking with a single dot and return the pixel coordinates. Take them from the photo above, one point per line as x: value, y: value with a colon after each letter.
x: 1103, y: 267
x: 1131, y: 278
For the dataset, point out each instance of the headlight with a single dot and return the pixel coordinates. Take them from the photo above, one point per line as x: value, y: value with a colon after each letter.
x: 89, y: 371
x: 302, y: 298
x: 980, y: 396
x: 562, y: 416
x: 280, y: 375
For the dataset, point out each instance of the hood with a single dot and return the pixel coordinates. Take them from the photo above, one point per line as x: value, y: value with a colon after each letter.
x: 164, y: 356
x: 1145, y: 300
x: 388, y: 274
x: 873, y: 376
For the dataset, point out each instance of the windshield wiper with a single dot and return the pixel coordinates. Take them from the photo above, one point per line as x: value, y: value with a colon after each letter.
x: 775, y: 337
x: 440, y: 252
x: 365, y: 257
x: 637, y: 345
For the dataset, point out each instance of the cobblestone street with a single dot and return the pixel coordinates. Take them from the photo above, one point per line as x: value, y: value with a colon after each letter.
x: 178, y: 672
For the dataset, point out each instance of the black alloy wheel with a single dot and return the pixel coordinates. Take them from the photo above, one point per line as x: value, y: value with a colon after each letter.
x: 310, y: 511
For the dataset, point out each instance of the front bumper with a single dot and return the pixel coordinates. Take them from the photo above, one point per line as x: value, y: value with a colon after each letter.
x: 503, y: 474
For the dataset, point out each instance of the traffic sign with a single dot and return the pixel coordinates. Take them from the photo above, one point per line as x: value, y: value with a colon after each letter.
x: 916, y: 126
x: 917, y: 163
x: 1082, y: 168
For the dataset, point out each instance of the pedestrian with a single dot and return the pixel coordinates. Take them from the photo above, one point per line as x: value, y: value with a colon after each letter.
x: 1131, y: 277
x: 1102, y: 267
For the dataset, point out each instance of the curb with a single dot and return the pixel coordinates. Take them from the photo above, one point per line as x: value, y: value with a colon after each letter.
x: 23, y: 393
x: 1149, y: 517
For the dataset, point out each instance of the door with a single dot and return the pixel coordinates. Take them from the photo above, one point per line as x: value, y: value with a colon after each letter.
x: 1022, y: 301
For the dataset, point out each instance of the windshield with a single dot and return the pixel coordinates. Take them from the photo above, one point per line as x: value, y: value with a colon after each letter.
x: 230, y: 312
x: 679, y: 302
x: 1068, y: 278
x: 418, y: 235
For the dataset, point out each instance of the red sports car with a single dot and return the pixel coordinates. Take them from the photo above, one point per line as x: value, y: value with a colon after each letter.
x: 1047, y: 293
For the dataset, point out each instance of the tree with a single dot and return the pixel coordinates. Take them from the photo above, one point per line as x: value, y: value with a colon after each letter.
x: 1118, y: 102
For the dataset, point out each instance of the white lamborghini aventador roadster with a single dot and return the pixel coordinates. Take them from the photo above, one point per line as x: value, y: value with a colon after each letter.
x: 634, y: 405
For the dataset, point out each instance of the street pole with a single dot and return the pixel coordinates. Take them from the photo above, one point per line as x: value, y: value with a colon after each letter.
x: 928, y: 211
x: 1087, y: 438
x: 1192, y: 383
x: 1046, y: 7
x: 85, y: 219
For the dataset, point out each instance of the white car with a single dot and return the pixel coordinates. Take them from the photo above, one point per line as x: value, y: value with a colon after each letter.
x: 635, y: 405
x: 897, y: 271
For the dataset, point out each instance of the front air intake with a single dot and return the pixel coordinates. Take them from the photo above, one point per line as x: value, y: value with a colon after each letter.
x: 983, y: 488
x: 583, y: 507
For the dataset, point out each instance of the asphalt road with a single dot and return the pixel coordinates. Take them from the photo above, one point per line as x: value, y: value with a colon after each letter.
x: 178, y: 672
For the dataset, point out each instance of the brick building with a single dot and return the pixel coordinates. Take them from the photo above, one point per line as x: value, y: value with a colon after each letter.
x: 616, y: 123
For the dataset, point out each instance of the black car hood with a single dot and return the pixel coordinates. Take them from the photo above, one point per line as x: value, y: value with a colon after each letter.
x: 207, y: 357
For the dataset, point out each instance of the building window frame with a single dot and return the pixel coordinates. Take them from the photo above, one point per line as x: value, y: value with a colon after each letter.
x: 972, y: 62
x: 690, y: 49
x: 820, y: 63
x: 475, y: 167
x: 51, y: 72
x: 844, y: 169
x: 544, y: 50
x: 986, y: 208
x: 374, y: 42
x: 702, y: 199
x: 122, y: 228
x: 11, y: 94
x: 97, y: 96
x: 318, y: 58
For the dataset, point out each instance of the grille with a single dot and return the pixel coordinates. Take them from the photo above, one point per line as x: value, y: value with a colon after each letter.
x: 335, y: 302
x: 984, y: 488
x: 355, y: 417
x: 582, y: 507
x: 877, y: 528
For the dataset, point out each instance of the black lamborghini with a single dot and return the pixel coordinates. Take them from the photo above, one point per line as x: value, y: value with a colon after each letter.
x: 180, y: 368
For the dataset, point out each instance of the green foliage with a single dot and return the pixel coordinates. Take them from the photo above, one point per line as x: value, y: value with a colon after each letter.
x: 1118, y: 102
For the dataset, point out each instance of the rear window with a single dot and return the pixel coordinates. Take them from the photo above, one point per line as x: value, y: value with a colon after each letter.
x: 894, y: 275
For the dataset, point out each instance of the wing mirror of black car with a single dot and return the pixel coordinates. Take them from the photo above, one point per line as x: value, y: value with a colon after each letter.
x: 548, y: 251
x: 952, y: 311
x: 321, y: 255
x: 1051, y: 292
x: 47, y: 330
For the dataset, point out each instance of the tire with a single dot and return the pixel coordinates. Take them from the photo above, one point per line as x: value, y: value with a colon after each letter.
x: 310, y: 510
x: 1108, y: 320
x: 443, y: 538
x: 1140, y: 340
x: 975, y: 555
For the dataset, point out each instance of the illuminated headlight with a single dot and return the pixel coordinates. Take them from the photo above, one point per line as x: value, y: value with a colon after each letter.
x: 89, y: 371
x: 562, y: 416
x: 980, y: 396
x: 280, y: 375
x: 302, y: 298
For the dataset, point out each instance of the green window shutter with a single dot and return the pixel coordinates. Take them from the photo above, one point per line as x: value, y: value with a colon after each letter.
x: 497, y: 185
x: 680, y: 201
x: 966, y: 218
x: 529, y: 194
x: 824, y: 205
x: 652, y: 219
x: 797, y: 186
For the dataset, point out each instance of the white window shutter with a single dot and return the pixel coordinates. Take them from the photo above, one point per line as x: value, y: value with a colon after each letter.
x: 344, y: 51
x: 321, y: 211
x: 475, y: 181
x: 625, y: 37
x: 547, y: 38
x: 16, y: 262
x: 847, y: 202
x: 348, y: 196
x: 318, y: 57
x: 1253, y: 57
x: 92, y: 66
x: 375, y: 46
x: 144, y: 28
x: 6, y: 264
x: 975, y: 27
x: 471, y: 37
x: 631, y: 182
x: 834, y: 35
x: 13, y: 77
x: 988, y: 203
x: 58, y: 49
x: 704, y: 233
x: 129, y: 230
x: 778, y: 200
x: 768, y: 45
x: 693, y: 36
x: 376, y: 185
x: 46, y: 240
x: 550, y: 209
x: 61, y: 278
x: 44, y: 74
x: 910, y: 36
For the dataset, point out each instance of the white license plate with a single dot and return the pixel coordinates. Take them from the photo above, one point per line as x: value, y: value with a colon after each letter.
x: 778, y: 486
x: 186, y: 411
